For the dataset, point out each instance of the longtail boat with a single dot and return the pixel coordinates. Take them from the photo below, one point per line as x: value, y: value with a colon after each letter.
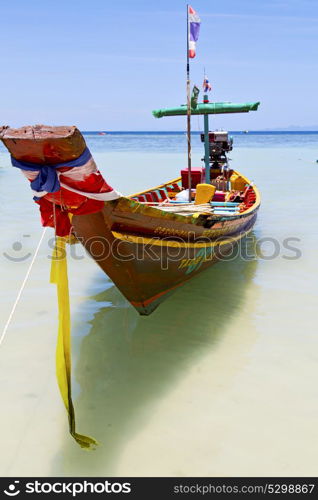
x: 153, y: 241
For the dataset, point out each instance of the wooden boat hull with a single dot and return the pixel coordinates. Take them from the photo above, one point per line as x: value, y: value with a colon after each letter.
x: 126, y: 215
x: 146, y: 270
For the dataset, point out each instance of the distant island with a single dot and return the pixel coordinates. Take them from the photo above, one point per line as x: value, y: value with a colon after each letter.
x: 293, y: 128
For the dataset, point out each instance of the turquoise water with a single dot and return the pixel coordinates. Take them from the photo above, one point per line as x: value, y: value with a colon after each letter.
x: 176, y: 141
x: 219, y: 381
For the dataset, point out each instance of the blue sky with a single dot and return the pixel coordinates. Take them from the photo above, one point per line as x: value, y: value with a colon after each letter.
x: 104, y: 64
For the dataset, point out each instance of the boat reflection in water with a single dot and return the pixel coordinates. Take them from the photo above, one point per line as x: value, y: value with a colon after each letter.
x: 127, y: 364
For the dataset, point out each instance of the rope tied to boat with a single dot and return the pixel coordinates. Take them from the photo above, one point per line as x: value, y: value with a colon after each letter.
x: 59, y: 277
x: 4, y: 331
x: 63, y: 348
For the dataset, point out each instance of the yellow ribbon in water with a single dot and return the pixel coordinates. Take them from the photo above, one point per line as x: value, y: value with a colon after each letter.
x: 63, y: 348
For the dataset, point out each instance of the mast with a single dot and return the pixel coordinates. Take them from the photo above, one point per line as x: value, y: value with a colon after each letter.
x: 188, y: 109
x: 206, y: 143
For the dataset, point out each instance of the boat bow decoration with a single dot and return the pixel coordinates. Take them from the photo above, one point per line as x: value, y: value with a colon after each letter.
x: 60, y: 188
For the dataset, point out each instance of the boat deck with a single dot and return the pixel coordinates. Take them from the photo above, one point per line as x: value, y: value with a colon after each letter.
x: 229, y: 202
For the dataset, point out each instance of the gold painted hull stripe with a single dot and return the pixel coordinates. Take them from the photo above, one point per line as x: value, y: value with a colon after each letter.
x: 141, y: 240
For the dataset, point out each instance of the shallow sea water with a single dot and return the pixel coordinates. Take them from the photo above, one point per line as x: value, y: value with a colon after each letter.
x: 221, y: 380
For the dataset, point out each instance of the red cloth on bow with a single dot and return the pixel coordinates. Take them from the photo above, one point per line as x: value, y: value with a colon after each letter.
x: 68, y: 202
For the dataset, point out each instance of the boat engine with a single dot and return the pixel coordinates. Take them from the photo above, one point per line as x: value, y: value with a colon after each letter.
x: 219, y: 144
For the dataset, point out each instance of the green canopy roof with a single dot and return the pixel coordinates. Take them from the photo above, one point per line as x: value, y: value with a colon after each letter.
x: 211, y: 108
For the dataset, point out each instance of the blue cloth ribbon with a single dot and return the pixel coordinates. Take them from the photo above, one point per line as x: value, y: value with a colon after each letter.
x: 47, y: 180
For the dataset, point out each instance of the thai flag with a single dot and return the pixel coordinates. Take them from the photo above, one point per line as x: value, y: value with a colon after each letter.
x: 207, y: 87
x: 194, y: 30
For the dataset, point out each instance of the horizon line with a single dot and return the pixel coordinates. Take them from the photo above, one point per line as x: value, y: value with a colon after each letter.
x: 103, y: 131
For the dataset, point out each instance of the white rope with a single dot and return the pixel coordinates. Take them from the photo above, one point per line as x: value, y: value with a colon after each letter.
x: 21, y: 288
